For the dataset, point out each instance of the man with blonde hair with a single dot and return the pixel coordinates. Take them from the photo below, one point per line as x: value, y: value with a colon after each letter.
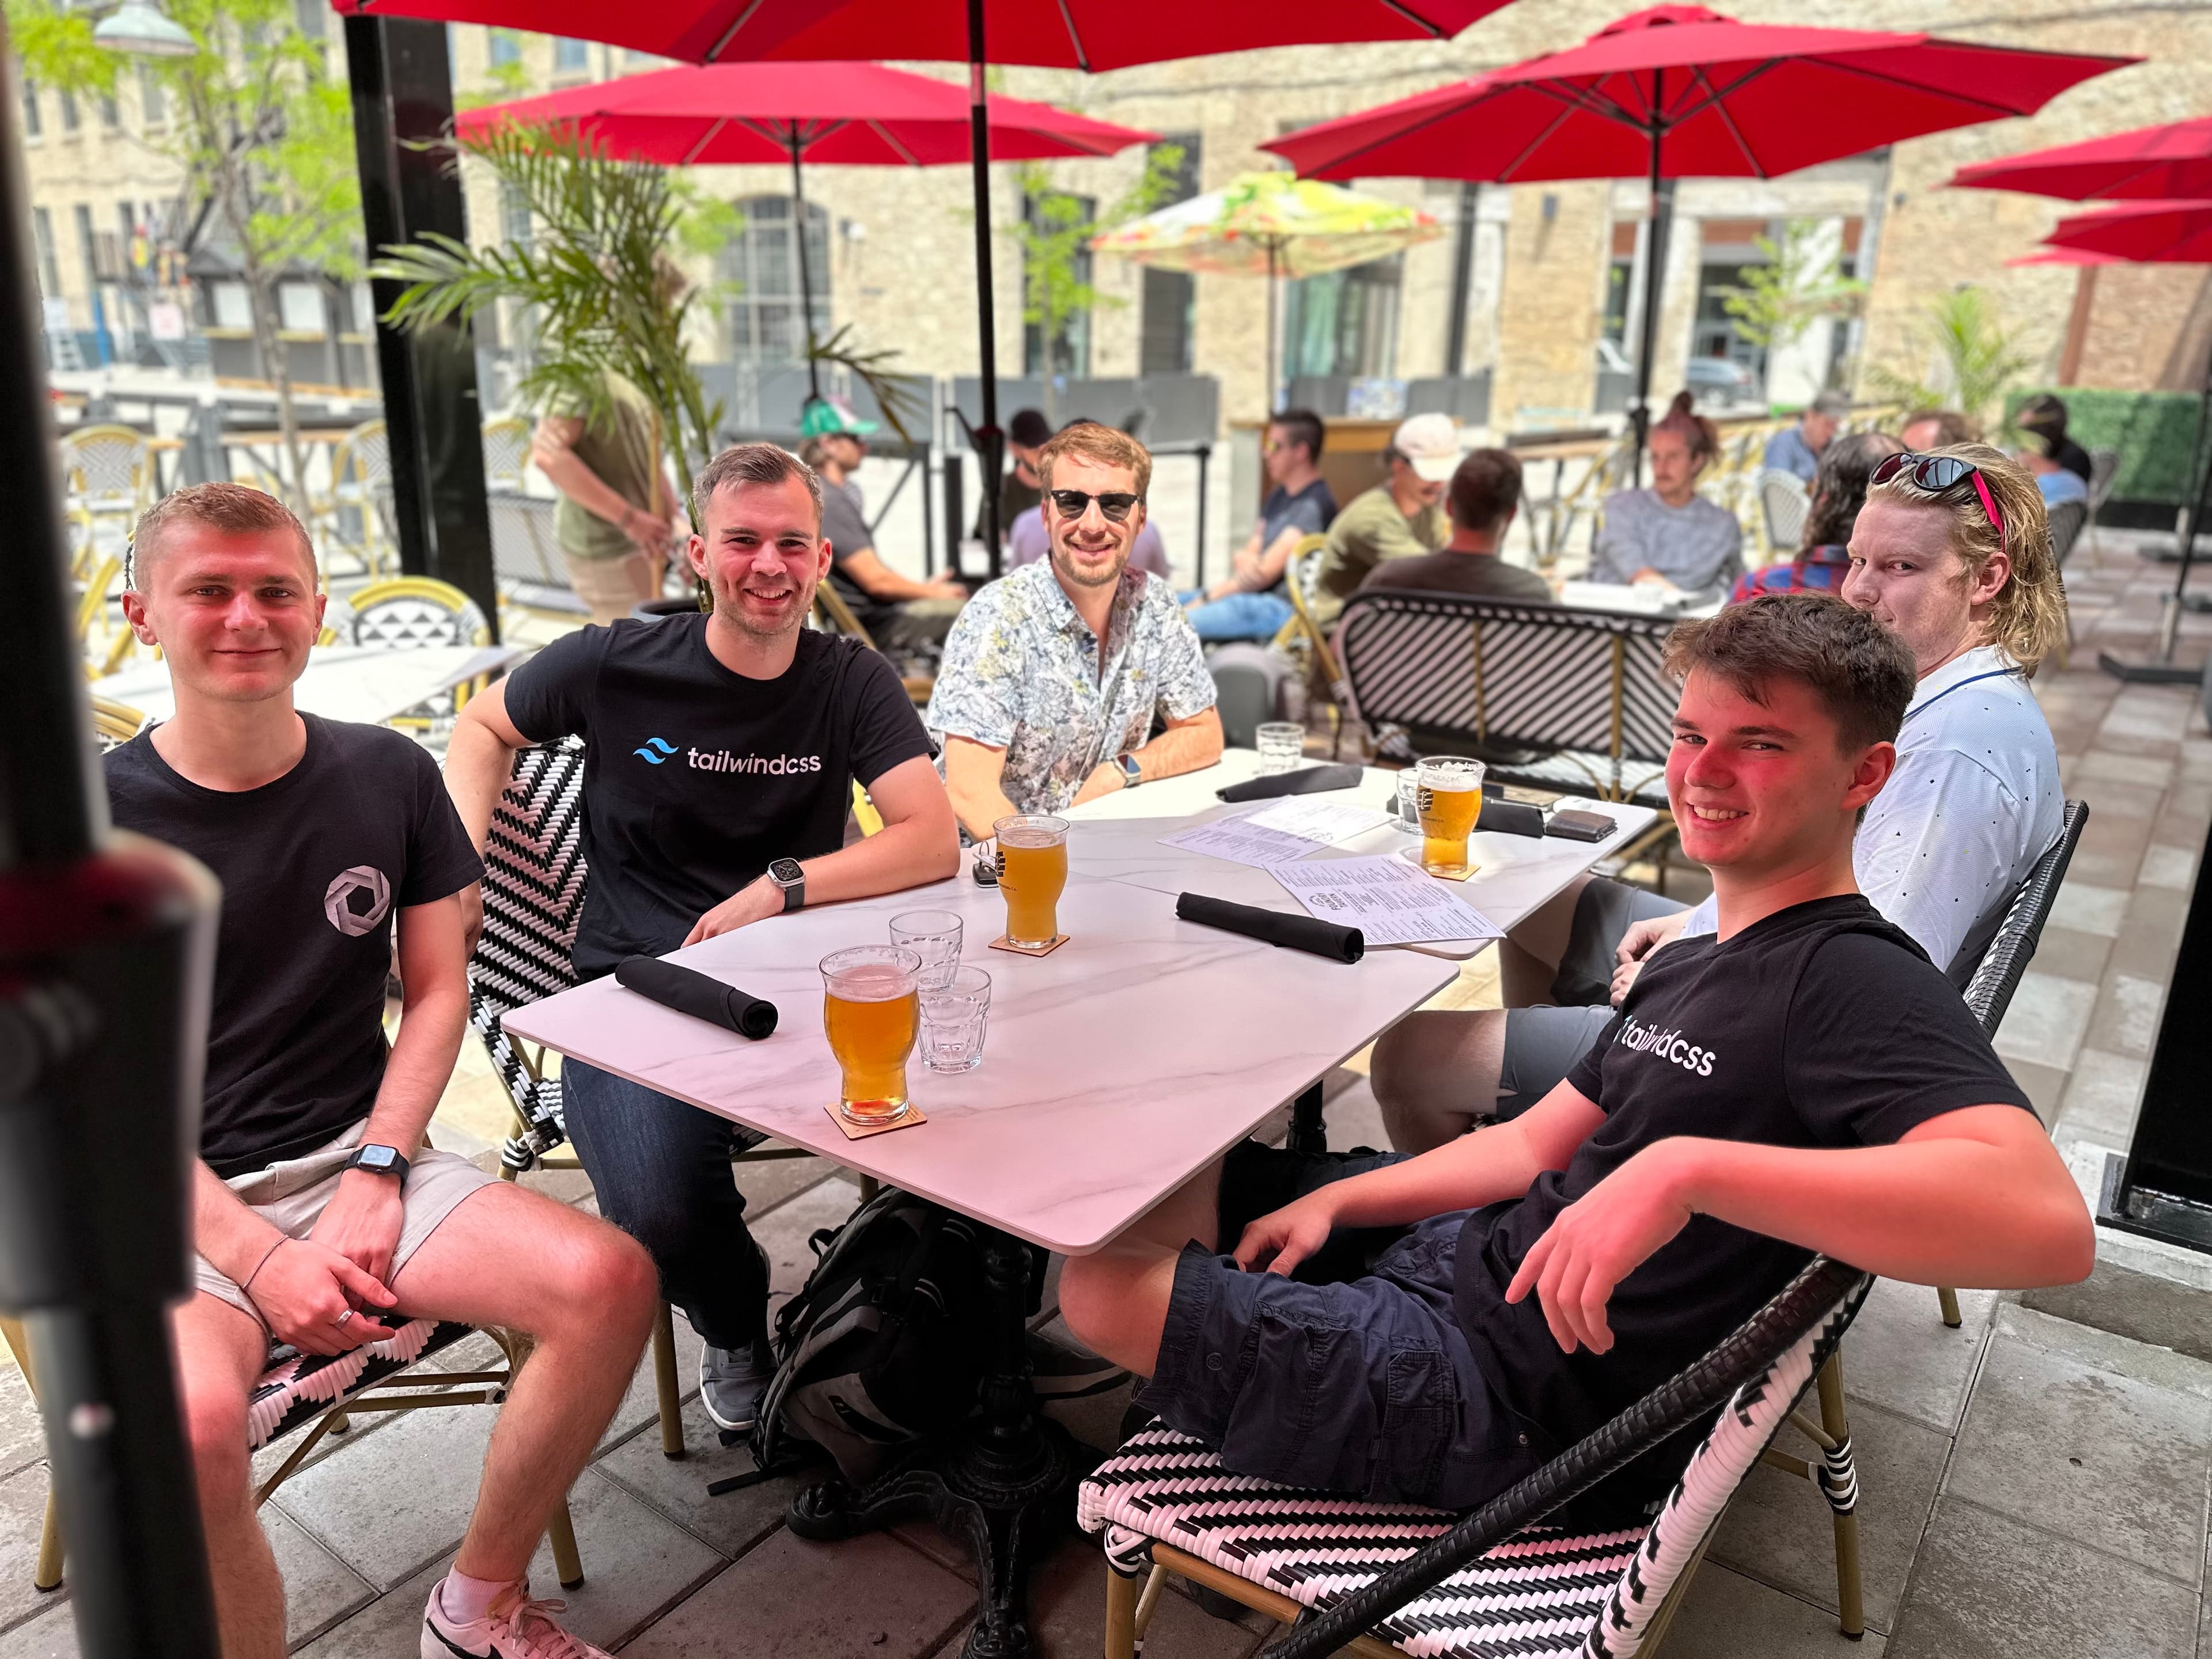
x: 1053, y: 676
x: 321, y: 1216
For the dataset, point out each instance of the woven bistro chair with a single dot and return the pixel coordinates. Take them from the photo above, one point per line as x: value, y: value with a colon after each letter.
x: 409, y: 613
x: 506, y: 452
x: 357, y: 515
x: 1387, y: 1580
x: 533, y: 895
x: 108, y: 476
x: 1304, y: 634
x: 322, y: 1393
x: 1784, y: 503
x: 834, y: 615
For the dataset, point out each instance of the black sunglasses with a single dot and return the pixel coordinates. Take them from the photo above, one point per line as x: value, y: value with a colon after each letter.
x: 1936, y: 474
x: 1074, y: 503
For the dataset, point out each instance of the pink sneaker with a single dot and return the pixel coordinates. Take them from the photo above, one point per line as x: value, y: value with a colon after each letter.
x: 516, y: 1628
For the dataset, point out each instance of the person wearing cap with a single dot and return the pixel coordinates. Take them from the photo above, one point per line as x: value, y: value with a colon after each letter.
x: 617, y: 519
x: 1400, y: 518
x: 1018, y: 490
x: 1798, y: 448
x: 900, y: 613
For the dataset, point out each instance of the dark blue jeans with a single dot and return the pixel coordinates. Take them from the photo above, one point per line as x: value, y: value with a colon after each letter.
x: 661, y: 1171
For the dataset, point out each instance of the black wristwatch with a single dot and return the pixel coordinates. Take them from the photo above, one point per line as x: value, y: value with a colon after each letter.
x: 378, y: 1160
x: 787, y: 874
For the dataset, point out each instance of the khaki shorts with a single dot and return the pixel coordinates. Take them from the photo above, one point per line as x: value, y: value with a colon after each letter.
x: 290, y: 1195
x: 609, y: 587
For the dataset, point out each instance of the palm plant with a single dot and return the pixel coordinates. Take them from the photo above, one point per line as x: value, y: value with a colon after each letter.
x: 1961, y: 331
x: 597, y: 272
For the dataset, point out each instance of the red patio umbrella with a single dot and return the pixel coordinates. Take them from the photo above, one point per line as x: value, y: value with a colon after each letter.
x: 851, y: 114
x: 2079, y: 256
x: 1085, y: 34
x: 1679, y: 92
x: 2170, y: 162
x: 2155, y: 233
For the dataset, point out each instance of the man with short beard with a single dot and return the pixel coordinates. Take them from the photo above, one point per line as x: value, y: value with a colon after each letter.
x: 723, y: 751
x: 1053, y: 677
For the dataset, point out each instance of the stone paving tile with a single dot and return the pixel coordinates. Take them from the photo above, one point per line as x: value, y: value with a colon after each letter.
x: 1067, y: 1614
x: 2125, y: 1019
x: 2103, y: 1095
x: 2046, y: 1019
x: 2105, y: 766
x: 677, y: 1487
x: 641, y: 1401
x: 52, y: 1635
x: 22, y: 1436
x: 1725, y: 1615
x: 2174, y: 867
x: 868, y: 1595
x: 1901, y: 1356
x: 2146, y: 943
x: 22, y: 1511
x: 1780, y: 1530
x: 2088, y: 1454
x: 319, y: 1590
x: 1987, y: 1588
x: 2045, y: 1086
x: 2090, y: 908
x: 2072, y: 955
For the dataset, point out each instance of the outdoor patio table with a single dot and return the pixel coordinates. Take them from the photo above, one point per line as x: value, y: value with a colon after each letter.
x: 1638, y: 601
x: 368, y: 684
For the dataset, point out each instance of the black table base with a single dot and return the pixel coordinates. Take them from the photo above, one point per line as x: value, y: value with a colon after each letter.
x: 1004, y: 1487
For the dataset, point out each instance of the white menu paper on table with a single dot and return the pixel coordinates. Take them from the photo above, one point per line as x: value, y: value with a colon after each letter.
x: 1281, y: 832
x: 1323, y: 822
x: 1386, y: 898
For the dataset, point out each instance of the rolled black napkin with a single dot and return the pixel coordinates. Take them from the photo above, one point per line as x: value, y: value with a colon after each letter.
x: 1308, y: 934
x: 691, y: 992
x: 1306, y: 780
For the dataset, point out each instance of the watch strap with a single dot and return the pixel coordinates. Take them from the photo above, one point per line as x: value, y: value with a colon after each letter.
x: 400, y: 1166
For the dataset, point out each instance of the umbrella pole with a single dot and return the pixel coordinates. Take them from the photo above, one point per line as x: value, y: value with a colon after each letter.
x: 1274, y: 363
x: 1655, y: 264
x: 985, y: 436
x: 806, y: 279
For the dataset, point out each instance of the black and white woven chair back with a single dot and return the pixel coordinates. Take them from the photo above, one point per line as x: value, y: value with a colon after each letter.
x: 1540, y: 1589
x: 533, y: 894
x: 1989, y: 993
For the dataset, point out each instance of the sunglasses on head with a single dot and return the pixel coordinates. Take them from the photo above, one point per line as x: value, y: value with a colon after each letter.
x: 1074, y: 503
x: 1937, y: 473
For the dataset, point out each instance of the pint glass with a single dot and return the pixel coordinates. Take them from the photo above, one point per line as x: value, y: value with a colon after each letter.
x: 870, y: 1011
x: 1447, y: 793
x: 1032, y: 870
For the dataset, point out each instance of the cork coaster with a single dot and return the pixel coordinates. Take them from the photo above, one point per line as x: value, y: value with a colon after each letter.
x: 862, y: 1131
x: 1002, y: 943
x: 1411, y: 856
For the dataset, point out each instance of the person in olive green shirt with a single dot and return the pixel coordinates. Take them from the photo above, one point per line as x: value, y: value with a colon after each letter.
x: 617, y: 519
x: 1400, y: 518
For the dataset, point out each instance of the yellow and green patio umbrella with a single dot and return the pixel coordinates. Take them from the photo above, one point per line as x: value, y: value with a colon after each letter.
x: 1273, y: 225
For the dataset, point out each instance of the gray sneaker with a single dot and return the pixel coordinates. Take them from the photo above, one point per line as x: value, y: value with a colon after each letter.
x: 732, y: 1381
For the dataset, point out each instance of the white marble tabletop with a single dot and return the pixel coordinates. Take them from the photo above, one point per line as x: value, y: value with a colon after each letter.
x: 368, y: 684
x: 1115, y: 1068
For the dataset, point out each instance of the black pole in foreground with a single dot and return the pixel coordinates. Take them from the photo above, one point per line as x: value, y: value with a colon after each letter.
x: 106, y: 957
x: 1662, y: 210
x: 806, y: 278
x: 989, y: 441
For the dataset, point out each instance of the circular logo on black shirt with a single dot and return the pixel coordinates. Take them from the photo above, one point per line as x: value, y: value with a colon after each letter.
x: 356, y: 900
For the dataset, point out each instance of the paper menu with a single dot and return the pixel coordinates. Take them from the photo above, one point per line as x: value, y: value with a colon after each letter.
x: 1323, y: 822
x: 1242, y: 841
x: 1386, y: 898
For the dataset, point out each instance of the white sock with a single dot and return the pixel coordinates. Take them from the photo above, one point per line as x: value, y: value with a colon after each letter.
x: 466, y: 1600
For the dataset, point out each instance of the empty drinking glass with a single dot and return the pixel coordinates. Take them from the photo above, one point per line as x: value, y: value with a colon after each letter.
x: 1282, y: 746
x: 954, y: 1018
x: 933, y: 936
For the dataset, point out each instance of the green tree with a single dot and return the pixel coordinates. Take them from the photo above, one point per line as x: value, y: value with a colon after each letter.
x: 263, y: 137
x: 1799, y: 279
x: 1976, y: 358
x: 1053, y: 233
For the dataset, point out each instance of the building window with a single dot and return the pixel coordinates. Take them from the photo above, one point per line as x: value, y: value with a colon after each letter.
x: 761, y: 262
x: 230, y: 304
x: 50, y: 267
x: 1729, y: 247
x: 153, y: 102
x: 301, y: 308
x: 68, y: 110
x: 87, y: 246
x: 309, y: 16
x: 1068, y: 351
x: 515, y: 221
x: 1169, y: 306
x: 505, y: 51
x: 1344, y: 322
x: 31, y: 125
x: 1621, y: 280
x: 111, y: 112
x: 571, y: 56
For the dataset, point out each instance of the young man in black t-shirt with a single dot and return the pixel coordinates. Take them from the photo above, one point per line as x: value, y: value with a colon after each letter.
x: 1804, y: 1080
x: 320, y: 1216
x: 722, y: 752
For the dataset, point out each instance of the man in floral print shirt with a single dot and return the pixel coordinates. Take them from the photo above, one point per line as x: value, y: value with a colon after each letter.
x: 1052, y: 677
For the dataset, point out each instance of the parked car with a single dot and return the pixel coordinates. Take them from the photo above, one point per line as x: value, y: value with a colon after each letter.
x: 1719, y: 380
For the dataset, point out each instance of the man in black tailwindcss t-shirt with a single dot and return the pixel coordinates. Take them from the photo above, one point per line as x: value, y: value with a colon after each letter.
x: 722, y: 752
x: 1430, y: 1329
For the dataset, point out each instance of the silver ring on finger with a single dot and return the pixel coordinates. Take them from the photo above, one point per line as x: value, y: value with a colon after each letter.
x: 343, y: 1317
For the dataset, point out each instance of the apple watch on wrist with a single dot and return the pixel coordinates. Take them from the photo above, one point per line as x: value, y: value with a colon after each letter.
x: 787, y: 874
x: 378, y: 1160
x: 1131, y: 774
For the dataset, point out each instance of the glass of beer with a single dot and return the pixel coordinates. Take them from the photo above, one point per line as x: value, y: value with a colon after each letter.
x: 1448, y: 793
x: 870, y: 1010
x: 1032, y: 870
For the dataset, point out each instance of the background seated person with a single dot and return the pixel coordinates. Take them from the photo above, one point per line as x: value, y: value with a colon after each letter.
x: 1398, y: 519
x: 1249, y: 602
x: 320, y: 1217
x: 617, y: 521
x: 1803, y: 1081
x: 2043, y: 415
x: 1928, y: 430
x: 900, y: 613
x: 1975, y: 800
x: 1798, y: 449
x: 763, y: 726
x: 2057, y: 483
x: 1669, y: 533
x: 1824, y: 553
x: 1026, y: 433
x: 1484, y: 495
x: 1053, y: 676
